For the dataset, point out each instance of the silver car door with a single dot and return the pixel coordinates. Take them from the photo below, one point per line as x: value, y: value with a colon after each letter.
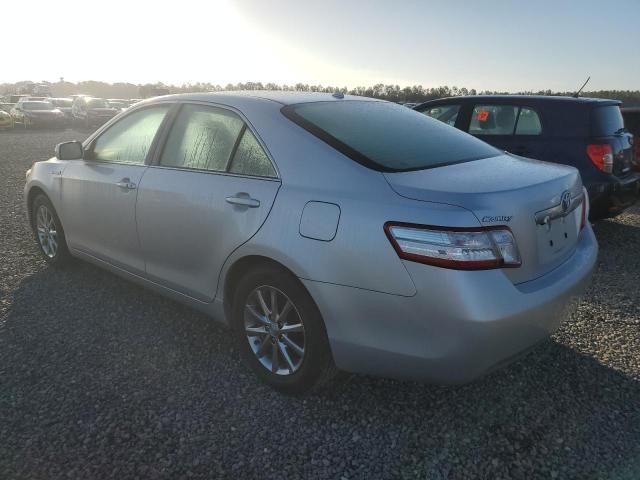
x: 99, y: 193
x: 210, y: 190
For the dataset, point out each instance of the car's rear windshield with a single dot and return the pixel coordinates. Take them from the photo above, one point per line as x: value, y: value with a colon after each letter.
x: 606, y: 120
x: 386, y: 136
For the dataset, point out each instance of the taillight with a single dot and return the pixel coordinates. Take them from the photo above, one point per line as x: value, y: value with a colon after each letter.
x: 601, y: 156
x: 457, y: 248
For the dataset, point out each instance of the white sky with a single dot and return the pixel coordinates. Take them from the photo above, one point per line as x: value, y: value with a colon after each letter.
x: 496, y: 44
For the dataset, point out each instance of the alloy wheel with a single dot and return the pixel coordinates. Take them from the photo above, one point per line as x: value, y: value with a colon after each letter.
x: 47, y: 231
x: 274, y: 330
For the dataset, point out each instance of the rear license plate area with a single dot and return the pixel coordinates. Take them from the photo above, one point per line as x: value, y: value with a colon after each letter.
x: 558, y: 236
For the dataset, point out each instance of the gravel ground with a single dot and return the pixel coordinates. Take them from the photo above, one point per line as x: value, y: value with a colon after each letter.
x: 102, y: 379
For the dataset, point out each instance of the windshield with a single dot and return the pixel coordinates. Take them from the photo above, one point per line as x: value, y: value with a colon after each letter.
x: 37, y: 106
x: 607, y: 120
x: 97, y: 103
x: 386, y: 136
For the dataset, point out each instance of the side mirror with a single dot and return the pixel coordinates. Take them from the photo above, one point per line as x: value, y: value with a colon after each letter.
x: 69, y: 151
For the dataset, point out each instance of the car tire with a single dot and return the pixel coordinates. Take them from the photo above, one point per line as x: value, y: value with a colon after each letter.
x: 48, y: 232
x: 296, y: 373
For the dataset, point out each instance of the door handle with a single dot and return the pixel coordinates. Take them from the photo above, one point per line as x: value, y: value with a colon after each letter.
x: 244, y: 201
x: 126, y: 184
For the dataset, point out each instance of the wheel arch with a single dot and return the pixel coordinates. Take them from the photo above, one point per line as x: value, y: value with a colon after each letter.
x: 31, y: 196
x: 240, y: 267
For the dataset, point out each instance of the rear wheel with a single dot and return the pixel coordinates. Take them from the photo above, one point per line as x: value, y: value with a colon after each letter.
x: 280, y: 332
x: 48, y: 231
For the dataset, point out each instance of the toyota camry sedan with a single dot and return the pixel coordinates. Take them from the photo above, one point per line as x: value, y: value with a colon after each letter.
x: 330, y: 233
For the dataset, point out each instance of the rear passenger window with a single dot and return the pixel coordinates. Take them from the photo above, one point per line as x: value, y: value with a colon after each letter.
x: 528, y: 122
x: 445, y: 113
x: 493, y: 120
x: 250, y: 158
x: 201, y: 138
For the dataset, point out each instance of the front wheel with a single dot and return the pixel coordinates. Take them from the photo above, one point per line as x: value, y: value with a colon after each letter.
x: 280, y: 331
x: 48, y: 232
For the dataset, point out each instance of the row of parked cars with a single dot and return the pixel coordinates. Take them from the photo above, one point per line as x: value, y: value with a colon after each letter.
x: 80, y: 110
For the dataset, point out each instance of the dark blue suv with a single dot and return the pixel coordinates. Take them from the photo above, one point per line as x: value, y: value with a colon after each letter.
x: 586, y: 133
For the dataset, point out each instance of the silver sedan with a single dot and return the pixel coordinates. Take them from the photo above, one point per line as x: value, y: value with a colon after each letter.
x: 329, y: 232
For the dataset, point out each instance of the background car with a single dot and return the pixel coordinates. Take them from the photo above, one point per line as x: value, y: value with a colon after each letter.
x: 6, y: 121
x: 119, y: 103
x: 64, y: 105
x: 91, y: 111
x: 631, y: 117
x: 37, y: 114
x: 6, y: 107
x: 14, y: 98
x: 585, y: 133
x: 329, y: 231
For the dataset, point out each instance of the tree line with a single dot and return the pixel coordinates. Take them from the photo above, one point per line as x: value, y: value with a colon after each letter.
x: 393, y: 93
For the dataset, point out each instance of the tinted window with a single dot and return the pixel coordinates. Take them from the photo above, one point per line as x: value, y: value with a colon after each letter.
x: 202, y: 138
x: 493, y: 120
x: 606, y: 120
x: 528, y: 122
x: 387, y: 136
x: 129, y: 139
x: 250, y: 158
x: 445, y: 113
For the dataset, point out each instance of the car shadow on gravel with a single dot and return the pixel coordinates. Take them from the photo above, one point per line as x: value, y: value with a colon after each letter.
x: 99, y: 376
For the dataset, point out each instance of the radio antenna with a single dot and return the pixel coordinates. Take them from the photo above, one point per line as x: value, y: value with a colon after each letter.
x: 577, y: 94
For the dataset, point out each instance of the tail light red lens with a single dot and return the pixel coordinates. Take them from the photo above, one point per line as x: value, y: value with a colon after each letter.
x: 460, y: 249
x: 601, y: 156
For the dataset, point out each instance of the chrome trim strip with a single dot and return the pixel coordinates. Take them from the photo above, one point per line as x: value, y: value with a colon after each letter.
x: 544, y: 216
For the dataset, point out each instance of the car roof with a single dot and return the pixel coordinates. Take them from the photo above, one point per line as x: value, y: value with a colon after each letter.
x: 281, y: 97
x: 529, y: 99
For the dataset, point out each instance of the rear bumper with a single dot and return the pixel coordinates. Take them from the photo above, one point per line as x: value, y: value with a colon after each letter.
x: 459, y: 326
x: 612, y: 197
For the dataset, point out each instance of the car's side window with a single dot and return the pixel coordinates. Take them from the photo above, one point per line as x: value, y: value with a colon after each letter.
x: 445, y: 113
x: 528, y: 122
x: 250, y: 158
x: 129, y: 139
x: 201, y: 138
x: 493, y: 120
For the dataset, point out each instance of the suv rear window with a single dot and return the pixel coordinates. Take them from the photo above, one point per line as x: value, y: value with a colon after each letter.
x: 387, y: 137
x: 606, y: 120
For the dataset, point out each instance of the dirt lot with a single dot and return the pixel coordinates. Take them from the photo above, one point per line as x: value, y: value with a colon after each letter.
x: 102, y: 379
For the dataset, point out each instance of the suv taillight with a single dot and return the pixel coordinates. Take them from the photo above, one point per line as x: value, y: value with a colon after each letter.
x: 601, y: 156
x: 456, y: 248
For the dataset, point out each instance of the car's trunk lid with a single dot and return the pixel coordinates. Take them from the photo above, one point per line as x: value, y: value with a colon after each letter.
x: 512, y: 191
